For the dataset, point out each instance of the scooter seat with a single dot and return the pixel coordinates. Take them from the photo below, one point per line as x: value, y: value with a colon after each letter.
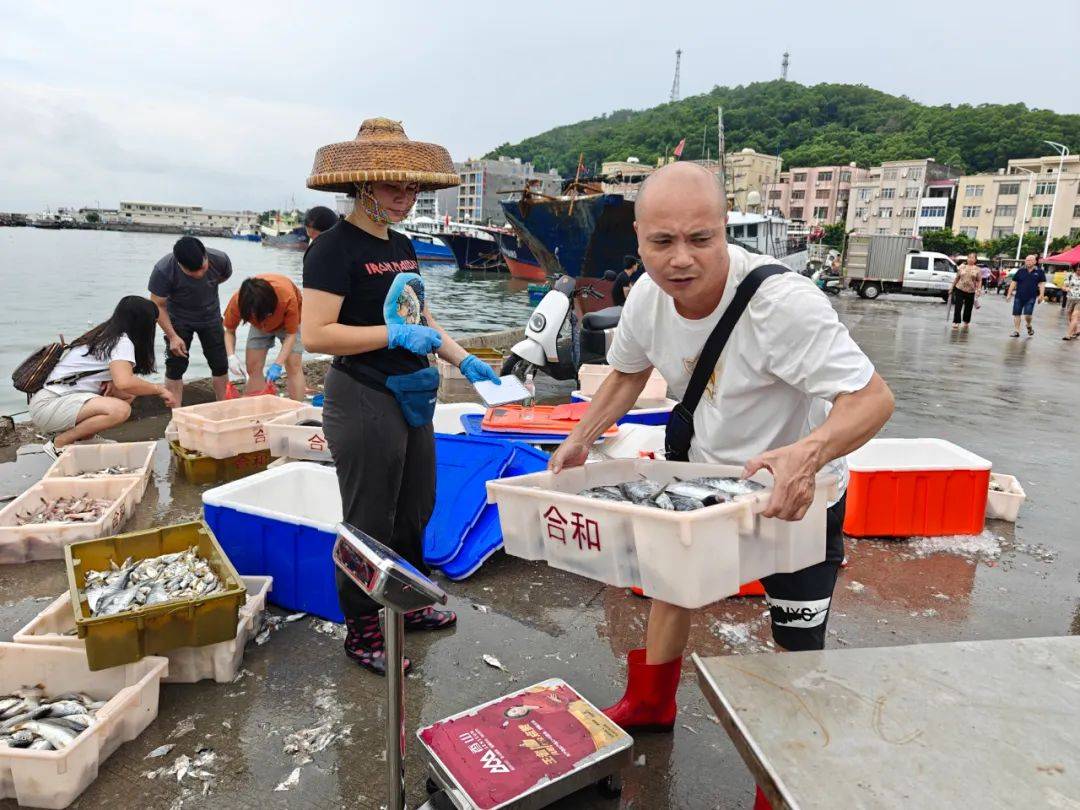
x: 601, y: 319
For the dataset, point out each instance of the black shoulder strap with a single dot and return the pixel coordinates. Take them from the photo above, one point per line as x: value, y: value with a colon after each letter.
x: 710, y: 354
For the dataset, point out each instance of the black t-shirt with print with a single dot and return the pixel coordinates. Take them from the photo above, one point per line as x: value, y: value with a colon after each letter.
x: 350, y: 262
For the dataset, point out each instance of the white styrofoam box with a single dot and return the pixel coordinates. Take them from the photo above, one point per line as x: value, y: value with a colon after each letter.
x: 289, y: 440
x: 690, y: 559
x: 448, y: 416
x: 55, y: 627
x: 46, y: 541
x: 1005, y: 505
x: 55, y: 778
x: 902, y: 455
x: 633, y: 440
x: 226, y: 429
x: 592, y: 376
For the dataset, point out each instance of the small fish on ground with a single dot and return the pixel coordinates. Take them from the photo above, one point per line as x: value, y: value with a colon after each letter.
x: 160, y: 751
x: 492, y: 661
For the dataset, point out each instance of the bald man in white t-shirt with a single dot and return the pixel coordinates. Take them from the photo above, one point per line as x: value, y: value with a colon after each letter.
x: 791, y: 393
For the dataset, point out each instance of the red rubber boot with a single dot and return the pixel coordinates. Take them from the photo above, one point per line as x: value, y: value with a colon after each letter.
x: 649, y: 701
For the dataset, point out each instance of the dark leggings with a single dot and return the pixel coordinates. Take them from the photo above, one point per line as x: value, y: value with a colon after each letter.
x: 799, y: 602
x: 386, y: 474
x: 962, y: 301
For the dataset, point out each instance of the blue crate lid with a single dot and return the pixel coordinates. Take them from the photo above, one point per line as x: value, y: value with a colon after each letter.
x: 464, y: 464
x: 485, y: 538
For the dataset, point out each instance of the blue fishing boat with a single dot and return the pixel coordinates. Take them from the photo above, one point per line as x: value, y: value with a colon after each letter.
x: 429, y: 248
x: 582, y: 235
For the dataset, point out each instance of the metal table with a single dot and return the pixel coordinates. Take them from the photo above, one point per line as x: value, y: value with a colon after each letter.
x: 979, y: 724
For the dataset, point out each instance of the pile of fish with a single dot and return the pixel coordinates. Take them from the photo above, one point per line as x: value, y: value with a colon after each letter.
x: 309, y: 423
x: 28, y: 719
x: 105, y: 473
x: 65, y: 510
x: 678, y: 496
x: 181, y: 575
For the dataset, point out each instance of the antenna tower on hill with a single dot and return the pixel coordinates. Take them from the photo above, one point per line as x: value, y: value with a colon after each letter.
x: 784, y: 67
x: 675, y: 82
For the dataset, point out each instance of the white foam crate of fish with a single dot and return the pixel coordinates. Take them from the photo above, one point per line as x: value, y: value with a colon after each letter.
x: 83, y: 460
x: 592, y: 376
x: 689, y: 558
x: 54, y: 779
x: 55, y: 627
x: 1004, y: 503
x: 303, y: 442
x: 46, y: 541
x: 229, y: 428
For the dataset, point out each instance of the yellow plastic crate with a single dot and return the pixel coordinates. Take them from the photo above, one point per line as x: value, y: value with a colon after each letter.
x: 199, y: 469
x: 127, y: 637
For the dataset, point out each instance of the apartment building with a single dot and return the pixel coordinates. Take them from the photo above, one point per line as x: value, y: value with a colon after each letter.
x: 815, y: 195
x: 749, y: 172
x: 484, y: 183
x: 437, y: 204
x: 902, y: 198
x: 1020, y: 198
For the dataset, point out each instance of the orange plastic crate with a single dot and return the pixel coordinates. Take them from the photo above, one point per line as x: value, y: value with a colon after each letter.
x: 915, y: 487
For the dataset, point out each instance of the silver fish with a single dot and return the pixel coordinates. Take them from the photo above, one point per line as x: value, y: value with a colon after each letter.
x: 59, y: 737
x: 663, y: 501
x: 62, y: 708
x: 682, y: 504
x: 41, y: 745
x: 641, y: 491
x: 729, y: 486
x: 21, y: 739
x: 604, y: 494
x: 689, y: 489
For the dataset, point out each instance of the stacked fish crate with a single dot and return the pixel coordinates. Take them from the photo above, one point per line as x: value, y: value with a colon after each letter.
x: 223, y: 441
x: 90, y: 492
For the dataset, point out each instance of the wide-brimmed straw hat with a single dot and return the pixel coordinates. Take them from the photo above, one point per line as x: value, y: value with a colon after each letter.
x: 383, y: 152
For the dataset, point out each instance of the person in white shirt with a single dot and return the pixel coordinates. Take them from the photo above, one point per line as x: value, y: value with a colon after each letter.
x: 92, y: 386
x: 791, y: 393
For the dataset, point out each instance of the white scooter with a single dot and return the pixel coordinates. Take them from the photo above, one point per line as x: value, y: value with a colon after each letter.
x: 543, y: 351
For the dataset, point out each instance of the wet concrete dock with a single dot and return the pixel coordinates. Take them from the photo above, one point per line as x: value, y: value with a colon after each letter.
x: 1010, y: 400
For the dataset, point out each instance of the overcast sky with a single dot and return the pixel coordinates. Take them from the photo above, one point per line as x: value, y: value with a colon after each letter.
x: 223, y: 104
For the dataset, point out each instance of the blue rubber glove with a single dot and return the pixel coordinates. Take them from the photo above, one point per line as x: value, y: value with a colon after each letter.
x: 417, y: 339
x: 273, y: 374
x: 476, y: 370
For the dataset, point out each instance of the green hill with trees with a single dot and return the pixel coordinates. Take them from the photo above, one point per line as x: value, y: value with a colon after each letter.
x: 827, y: 124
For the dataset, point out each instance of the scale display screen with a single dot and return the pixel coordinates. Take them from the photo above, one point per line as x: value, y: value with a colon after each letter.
x: 382, y: 573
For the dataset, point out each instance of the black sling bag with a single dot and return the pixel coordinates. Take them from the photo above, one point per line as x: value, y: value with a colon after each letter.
x: 680, y: 426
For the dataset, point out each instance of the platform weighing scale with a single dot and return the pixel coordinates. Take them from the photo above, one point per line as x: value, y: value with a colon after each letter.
x: 524, y: 750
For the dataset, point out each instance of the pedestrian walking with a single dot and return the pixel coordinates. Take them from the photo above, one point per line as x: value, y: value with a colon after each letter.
x: 365, y: 304
x: 1072, y: 314
x: 966, y: 286
x: 1029, y: 288
x: 184, y: 285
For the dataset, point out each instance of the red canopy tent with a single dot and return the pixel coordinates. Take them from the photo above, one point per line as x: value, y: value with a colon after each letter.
x: 1070, y: 257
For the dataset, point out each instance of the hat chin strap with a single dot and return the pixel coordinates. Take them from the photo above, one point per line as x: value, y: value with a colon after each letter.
x: 371, y: 206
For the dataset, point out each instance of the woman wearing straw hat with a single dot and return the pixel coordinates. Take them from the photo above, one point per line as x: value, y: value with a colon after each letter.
x: 364, y: 303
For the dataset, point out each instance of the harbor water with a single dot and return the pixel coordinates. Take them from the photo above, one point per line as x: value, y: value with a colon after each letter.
x: 66, y: 281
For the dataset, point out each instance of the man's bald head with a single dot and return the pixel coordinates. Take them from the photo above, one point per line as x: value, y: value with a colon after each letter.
x: 682, y: 179
x: 680, y: 223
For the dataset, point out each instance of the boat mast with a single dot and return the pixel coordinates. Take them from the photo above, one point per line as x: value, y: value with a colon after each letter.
x: 720, y: 146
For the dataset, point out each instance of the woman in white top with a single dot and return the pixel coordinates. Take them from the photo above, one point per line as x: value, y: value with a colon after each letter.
x: 94, y: 382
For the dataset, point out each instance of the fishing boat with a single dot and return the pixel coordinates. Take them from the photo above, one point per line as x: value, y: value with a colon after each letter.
x: 475, y: 247
x: 520, y: 260
x: 296, y: 239
x: 246, y: 234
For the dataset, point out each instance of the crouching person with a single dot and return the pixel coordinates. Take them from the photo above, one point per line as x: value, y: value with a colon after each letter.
x: 92, y: 386
x: 271, y: 304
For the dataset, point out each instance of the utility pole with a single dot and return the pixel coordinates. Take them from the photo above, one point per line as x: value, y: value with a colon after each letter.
x: 784, y: 67
x: 675, y: 82
x: 720, y: 145
x: 1063, y: 150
